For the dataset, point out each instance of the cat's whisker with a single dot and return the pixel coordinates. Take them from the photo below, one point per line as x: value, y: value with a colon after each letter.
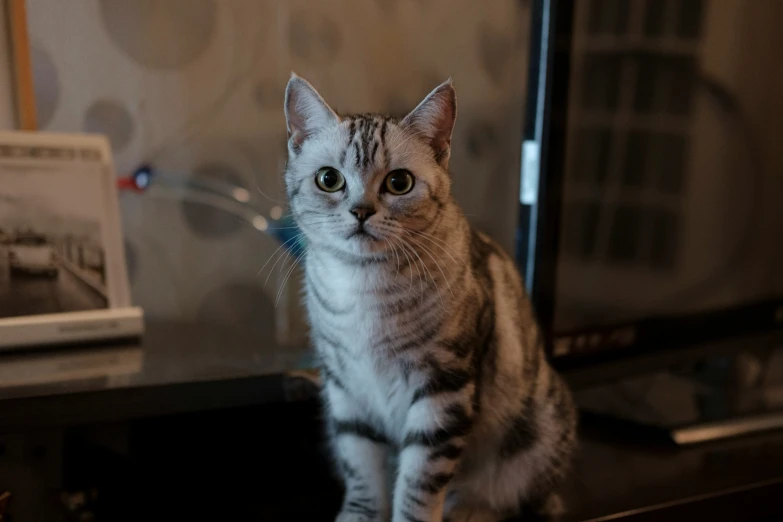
x: 410, y: 263
x: 428, y: 249
x: 436, y: 240
x: 432, y: 238
x: 282, y: 266
x: 273, y: 228
x: 419, y: 267
x: 396, y: 232
x: 287, y: 276
x: 425, y: 268
x: 267, y: 197
x: 395, y: 254
x: 314, y: 221
x: 437, y: 264
x: 309, y: 215
x: 282, y: 245
x: 286, y: 254
x: 299, y: 224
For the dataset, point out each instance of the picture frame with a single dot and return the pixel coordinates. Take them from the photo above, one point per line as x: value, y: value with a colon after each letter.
x: 63, y: 275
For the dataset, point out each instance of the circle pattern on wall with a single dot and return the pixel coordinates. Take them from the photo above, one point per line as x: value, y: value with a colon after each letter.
x: 159, y: 34
x: 269, y: 95
x: 110, y: 117
x: 482, y: 141
x: 314, y: 38
x: 47, y: 85
x: 495, y: 50
x: 206, y: 220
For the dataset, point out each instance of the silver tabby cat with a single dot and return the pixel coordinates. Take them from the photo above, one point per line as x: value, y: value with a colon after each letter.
x: 428, y: 345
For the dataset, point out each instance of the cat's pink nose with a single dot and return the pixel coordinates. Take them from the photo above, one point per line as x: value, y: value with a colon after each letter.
x: 362, y: 213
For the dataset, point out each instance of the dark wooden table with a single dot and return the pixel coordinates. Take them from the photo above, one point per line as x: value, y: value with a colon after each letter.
x: 184, y: 371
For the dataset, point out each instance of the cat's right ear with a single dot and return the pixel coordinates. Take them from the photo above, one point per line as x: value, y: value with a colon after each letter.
x: 433, y: 120
x: 305, y: 112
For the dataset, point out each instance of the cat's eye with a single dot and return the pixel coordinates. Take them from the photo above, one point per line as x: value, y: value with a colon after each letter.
x: 329, y: 179
x: 399, y: 182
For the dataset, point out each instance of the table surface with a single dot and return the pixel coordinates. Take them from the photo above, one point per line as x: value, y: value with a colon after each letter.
x: 614, y: 478
x: 169, y: 353
x: 181, y: 367
x: 174, y: 368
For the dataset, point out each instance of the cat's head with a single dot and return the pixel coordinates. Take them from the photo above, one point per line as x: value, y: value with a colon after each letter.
x: 360, y: 184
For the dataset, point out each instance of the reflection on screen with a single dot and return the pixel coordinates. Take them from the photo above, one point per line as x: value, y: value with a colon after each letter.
x: 674, y: 177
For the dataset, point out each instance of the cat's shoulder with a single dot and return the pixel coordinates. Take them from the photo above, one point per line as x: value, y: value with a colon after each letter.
x: 484, y: 246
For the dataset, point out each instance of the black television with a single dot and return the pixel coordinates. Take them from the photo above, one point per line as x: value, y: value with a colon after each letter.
x: 651, y: 215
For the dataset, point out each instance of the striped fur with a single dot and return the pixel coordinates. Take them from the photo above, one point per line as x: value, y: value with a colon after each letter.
x: 427, y: 341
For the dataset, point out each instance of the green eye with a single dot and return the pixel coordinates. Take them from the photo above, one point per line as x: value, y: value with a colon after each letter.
x: 399, y: 182
x: 329, y: 179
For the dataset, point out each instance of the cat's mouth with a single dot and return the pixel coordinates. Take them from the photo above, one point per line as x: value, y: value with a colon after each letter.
x: 362, y: 234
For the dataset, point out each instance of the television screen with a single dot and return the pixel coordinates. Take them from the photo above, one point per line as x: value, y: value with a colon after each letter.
x: 669, y: 209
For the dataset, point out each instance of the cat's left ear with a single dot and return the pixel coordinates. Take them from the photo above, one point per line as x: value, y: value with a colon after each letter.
x: 433, y: 119
x: 305, y: 112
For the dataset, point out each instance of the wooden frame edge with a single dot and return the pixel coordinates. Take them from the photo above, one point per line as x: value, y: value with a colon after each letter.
x: 24, y: 88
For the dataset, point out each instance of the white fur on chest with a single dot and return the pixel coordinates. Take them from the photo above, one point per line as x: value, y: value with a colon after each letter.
x: 349, y: 289
x: 375, y: 381
x: 382, y: 392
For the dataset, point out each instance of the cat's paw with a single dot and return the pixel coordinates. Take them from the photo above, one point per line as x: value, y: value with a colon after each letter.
x: 361, y: 510
x: 349, y: 516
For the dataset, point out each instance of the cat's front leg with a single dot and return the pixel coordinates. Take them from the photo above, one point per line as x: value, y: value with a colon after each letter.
x: 361, y: 452
x: 435, y: 432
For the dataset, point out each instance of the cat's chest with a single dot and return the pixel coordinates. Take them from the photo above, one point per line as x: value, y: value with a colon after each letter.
x: 382, y: 389
x: 349, y: 327
x: 340, y: 301
x: 379, y: 382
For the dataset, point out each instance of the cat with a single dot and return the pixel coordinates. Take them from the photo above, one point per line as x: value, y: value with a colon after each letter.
x: 427, y: 342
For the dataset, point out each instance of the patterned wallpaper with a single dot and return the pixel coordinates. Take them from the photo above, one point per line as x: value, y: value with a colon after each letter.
x: 196, y: 88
